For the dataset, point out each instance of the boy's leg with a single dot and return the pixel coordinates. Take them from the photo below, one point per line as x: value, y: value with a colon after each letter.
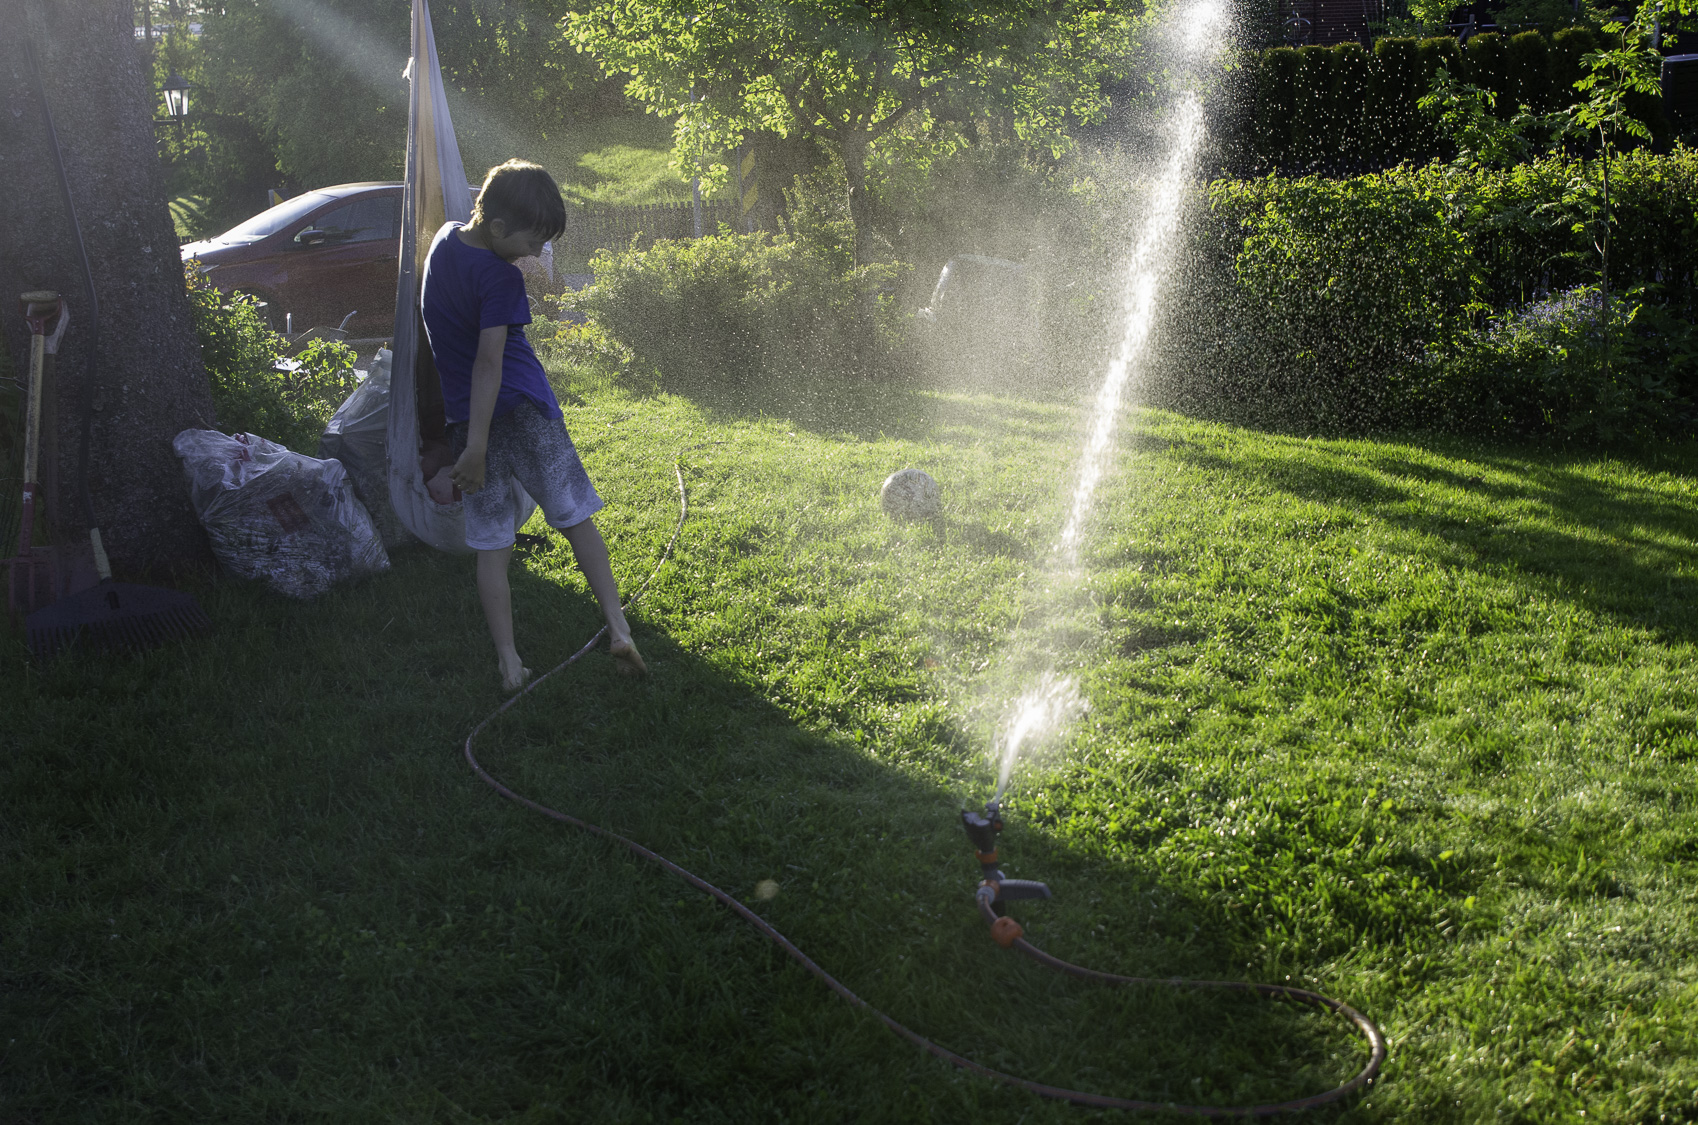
x: 497, y: 598
x: 591, y: 553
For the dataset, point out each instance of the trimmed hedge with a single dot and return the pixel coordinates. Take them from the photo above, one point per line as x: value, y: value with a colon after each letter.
x: 1341, y: 108
x: 1413, y: 297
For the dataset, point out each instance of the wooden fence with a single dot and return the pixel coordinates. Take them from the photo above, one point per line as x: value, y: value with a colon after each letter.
x: 592, y: 227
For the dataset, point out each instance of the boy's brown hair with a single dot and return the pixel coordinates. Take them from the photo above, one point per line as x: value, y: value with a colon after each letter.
x: 524, y: 197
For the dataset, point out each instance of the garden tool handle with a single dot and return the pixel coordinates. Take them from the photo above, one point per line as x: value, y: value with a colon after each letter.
x: 32, y: 416
x: 40, y: 307
x: 102, y: 565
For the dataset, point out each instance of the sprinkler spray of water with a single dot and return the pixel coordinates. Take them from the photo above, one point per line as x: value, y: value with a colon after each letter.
x: 1043, y: 710
x: 1040, y: 712
x: 1035, y: 717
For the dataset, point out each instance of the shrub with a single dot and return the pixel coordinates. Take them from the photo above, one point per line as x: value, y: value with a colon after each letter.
x: 1555, y: 369
x: 1350, y: 67
x: 732, y: 311
x: 1396, y: 131
x: 1567, y: 48
x: 1485, y: 63
x: 1334, y: 293
x: 1439, y: 51
x: 1312, y: 117
x: 1529, y: 67
x: 1276, y: 92
x: 251, y: 395
x: 1316, y: 109
x: 1353, y: 304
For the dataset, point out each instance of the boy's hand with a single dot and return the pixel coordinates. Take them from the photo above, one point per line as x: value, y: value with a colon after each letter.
x: 467, y: 473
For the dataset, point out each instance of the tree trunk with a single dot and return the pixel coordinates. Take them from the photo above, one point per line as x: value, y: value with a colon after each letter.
x: 146, y: 382
x: 853, y: 149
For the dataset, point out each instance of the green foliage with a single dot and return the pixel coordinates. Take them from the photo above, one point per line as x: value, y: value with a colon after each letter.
x: 1485, y: 63
x: 738, y: 312
x: 264, y: 70
x: 1410, y: 722
x: 1330, y: 295
x: 1558, y: 367
x: 251, y: 395
x: 1430, y: 13
x: 1350, y: 304
x: 1465, y: 114
x: 1276, y: 97
x: 859, y: 79
x: 1550, y: 16
x: 1528, y: 64
x: 1332, y: 108
x: 1613, y: 74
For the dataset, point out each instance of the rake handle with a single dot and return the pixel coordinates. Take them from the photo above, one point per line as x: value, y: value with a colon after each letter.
x: 32, y: 439
x: 41, y: 308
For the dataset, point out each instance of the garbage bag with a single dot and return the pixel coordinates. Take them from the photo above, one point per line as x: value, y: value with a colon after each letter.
x: 276, y: 515
x: 358, y: 436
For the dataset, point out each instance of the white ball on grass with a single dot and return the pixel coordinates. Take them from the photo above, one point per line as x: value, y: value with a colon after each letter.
x: 910, y: 495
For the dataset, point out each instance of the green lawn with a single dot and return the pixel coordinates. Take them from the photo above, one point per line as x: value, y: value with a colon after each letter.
x: 1408, y: 722
x: 622, y: 159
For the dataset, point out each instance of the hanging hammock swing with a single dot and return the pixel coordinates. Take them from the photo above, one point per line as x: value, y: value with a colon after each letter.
x: 436, y: 192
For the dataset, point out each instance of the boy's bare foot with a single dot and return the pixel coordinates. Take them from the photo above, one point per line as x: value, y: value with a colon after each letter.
x: 627, y: 659
x: 513, y: 683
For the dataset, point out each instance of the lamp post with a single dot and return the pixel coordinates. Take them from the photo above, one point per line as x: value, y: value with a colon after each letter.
x: 176, y: 91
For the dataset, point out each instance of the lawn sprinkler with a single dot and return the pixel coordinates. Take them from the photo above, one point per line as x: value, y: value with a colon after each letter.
x: 995, y: 888
x: 995, y: 891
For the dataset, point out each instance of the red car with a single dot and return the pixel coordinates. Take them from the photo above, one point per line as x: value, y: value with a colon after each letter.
x: 315, y: 259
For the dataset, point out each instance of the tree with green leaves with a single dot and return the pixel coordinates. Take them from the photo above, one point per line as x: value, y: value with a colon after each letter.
x: 302, y: 93
x: 1467, y: 114
x: 864, y: 78
x: 1613, y: 74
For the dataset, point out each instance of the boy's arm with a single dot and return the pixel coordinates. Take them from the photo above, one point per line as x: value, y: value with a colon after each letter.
x: 468, y: 471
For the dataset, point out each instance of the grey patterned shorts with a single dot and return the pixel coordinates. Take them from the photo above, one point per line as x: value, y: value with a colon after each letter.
x: 527, y: 446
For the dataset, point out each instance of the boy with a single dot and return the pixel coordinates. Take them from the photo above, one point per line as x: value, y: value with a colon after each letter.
x: 504, y: 421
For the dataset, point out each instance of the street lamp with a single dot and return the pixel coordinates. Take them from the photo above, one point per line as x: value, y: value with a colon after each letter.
x: 176, y: 91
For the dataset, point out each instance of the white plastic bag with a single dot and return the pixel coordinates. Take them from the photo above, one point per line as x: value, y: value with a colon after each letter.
x: 358, y: 436
x: 284, y: 517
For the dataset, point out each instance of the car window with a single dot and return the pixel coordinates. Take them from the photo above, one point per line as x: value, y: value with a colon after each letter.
x: 364, y: 220
x: 274, y: 219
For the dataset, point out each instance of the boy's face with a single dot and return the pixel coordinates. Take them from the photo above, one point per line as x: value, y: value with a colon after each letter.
x: 510, y: 246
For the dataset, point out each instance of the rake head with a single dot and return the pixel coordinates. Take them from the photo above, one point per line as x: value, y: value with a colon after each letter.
x: 114, y: 615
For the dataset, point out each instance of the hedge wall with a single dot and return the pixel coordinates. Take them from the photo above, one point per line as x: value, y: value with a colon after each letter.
x: 1423, y: 296
x: 1344, y: 109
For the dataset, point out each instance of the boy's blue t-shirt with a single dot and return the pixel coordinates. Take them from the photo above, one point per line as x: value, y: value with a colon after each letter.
x: 465, y: 290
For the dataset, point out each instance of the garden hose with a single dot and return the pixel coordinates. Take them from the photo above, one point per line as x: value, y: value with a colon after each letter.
x: 1004, y: 930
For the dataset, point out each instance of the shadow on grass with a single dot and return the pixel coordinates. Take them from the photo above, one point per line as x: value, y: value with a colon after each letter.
x: 1616, y: 547
x: 251, y: 877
